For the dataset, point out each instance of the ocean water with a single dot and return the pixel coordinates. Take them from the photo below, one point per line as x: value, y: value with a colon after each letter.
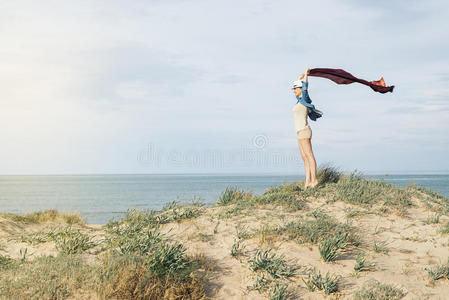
x: 100, y: 198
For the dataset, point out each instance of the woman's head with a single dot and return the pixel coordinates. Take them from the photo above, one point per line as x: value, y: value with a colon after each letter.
x: 297, y: 87
x: 297, y: 91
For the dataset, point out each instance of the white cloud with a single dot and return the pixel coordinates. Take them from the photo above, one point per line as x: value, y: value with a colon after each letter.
x: 112, y: 76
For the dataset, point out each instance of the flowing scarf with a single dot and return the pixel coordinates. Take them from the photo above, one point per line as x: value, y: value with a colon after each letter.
x: 342, y: 77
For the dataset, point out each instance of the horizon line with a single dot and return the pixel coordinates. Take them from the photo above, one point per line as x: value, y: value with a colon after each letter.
x: 233, y: 173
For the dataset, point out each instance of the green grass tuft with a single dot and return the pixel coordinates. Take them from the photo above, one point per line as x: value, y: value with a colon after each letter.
x: 233, y: 195
x: 315, y: 281
x: 320, y: 228
x: 362, y: 264
x: 438, y: 272
x: 6, y: 262
x: 278, y: 291
x: 237, y: 248
x: 374, y: 290
x: 274, y: 265
x: 326, y: 173
x: 331, y: 248
x: 70, y: 241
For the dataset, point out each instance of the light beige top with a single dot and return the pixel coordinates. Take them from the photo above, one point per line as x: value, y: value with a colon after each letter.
x: 300, y: 116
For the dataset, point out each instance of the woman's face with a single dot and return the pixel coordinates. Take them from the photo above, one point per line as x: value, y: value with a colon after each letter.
x: 297, y: 91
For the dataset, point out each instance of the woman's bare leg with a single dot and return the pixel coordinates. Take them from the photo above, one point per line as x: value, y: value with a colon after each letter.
x: 306, y: 145
x: 306, y: 165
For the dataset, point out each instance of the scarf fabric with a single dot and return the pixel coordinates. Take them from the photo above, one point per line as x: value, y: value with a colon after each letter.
x: 342, y: 77
x: 312, y: 112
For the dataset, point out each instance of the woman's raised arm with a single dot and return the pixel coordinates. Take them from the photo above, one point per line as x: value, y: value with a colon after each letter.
x: 306, y: 74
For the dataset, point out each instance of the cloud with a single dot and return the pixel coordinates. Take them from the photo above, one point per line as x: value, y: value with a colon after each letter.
x: 99, y: 80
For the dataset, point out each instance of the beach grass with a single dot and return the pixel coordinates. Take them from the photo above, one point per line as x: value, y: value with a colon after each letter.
x: 49, y: 215
x: 269, y: 238
x: 271, y: 263
x: 374, y: 290
x: 329, y: 283
x: 138, y: 262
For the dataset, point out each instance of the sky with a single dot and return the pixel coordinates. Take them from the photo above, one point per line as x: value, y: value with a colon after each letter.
x: 204, y: 86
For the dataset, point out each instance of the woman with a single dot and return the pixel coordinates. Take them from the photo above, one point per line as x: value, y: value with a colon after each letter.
x: 301, y: 111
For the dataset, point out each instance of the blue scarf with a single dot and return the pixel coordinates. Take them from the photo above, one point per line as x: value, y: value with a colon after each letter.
x: 312, y: 112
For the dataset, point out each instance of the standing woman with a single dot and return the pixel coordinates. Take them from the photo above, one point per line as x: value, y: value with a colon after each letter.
x: 301, y: 111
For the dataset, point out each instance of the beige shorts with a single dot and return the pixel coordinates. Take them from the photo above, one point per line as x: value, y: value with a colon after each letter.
x: 305, y: 133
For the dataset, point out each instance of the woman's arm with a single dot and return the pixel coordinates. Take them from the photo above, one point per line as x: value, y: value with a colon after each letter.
x: 305, y: 86
x: 306, y: 74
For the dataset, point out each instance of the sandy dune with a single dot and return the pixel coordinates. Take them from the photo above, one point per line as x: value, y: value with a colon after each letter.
x: 411, y: 246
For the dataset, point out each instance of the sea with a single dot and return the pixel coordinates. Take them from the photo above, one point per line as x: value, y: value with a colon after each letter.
x: 103, y: 198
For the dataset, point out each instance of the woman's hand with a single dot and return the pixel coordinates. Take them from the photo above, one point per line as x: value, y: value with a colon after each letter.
x: 308, y: 71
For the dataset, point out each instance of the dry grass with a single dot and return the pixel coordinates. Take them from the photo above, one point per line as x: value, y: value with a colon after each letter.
x: 50, y: 215
x: 128, y: 277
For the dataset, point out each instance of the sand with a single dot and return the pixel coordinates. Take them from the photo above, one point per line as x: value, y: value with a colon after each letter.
x: 412, y: 244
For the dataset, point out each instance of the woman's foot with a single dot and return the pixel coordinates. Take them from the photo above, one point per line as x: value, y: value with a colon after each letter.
x: 314, y: 183
x: 307, y: 184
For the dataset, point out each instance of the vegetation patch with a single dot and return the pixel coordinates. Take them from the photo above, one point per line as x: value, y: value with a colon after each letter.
x: 374, y: 290
x: 334, y: 185
x: 274, y: 265
x: 237, y: 248
x: 137, y: 262
x: 286, y: 199
x: 322, y: 227
x: 6, y: 262
x: 435, y: 219
x: 129, y: 277
x: 67, y: 240
x: 47, y: 277
x: 332, y: 247
x: 328, y: 283
x: 233, y: 195
x: 439, y: 272
x: 273, y: 289
x: 174, y: 211
x: 380, y: 246
x: 356, y: 189
x: 361, y: 264
x: 71, y: 241
x: 433, y: 200
x: 326, y: 173
x: 278, y: 291
x: 49, y: 215
x: 445, y: 228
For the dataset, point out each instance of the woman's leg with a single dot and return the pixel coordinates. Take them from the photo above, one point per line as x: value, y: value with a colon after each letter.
x: 307, y: 148
x: 306, y: 165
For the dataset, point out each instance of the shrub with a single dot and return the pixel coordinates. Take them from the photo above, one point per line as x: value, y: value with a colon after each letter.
x: 326, y: 173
